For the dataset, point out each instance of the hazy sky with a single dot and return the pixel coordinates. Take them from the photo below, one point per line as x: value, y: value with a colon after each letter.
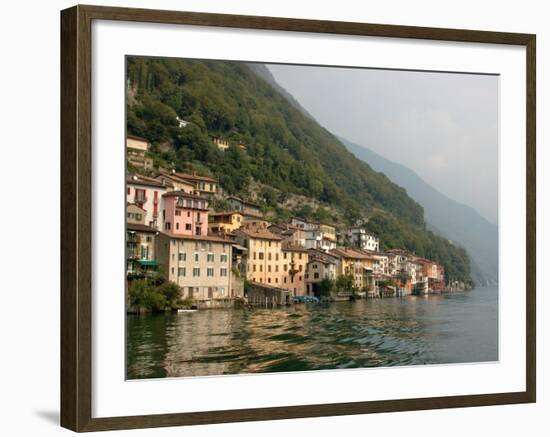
x: 443, y: 126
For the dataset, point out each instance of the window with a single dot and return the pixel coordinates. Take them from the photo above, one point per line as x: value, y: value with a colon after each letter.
x: 167, y: 226
x: 299, y: 278
x: 210, y: 247
x: 173, y: 255
x: 210, y: 258
x: 300, y: 268
x: 300, y: 256
x: 188, y: 213
x: 177, y: 225
x: 284, y: 279
x: 316, y: 275
x: 223, y: 271
x: 254, y: 267
x: 284, y: 268
x: 196, y: 257
x: 270, y: 244
x: 261, y: 255
x: 269, y: 256
x: 181, y: 271
x: 196, y: 271
x: 276, y: 267
x: 172, y: 270
x: 261, y: 267
x: 254, y: 255
x: 187, y: 226
x: 223, y: 258
x: 210, y: 271
x: 269, y: 268
x: 196, y: 245
x: 178, y: 212
x: 269, y: 280
x: 182, y: 257
x: 203, y: 246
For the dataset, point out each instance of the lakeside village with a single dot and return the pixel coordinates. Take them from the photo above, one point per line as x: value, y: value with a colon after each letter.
x: 209, y: 259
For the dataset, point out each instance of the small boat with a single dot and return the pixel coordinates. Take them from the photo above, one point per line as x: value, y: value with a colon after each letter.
x: 181, y: 310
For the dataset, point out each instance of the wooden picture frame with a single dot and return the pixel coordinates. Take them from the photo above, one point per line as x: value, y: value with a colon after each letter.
x: 76, y: 218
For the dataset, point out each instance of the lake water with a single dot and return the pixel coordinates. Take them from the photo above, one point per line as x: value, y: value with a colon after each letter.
x: 451, y: 328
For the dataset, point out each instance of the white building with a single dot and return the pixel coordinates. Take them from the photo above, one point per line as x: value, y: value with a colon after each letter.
x: 359, y: 237
x: 146, y: 193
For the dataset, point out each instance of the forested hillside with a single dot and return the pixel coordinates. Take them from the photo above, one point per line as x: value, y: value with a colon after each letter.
x: 286, y: 150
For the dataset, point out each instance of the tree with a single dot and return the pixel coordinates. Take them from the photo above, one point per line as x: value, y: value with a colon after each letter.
x: 326, y: 286
x: 345, y: 283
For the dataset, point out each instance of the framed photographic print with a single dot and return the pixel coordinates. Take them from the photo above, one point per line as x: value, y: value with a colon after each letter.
x: 268, y: 218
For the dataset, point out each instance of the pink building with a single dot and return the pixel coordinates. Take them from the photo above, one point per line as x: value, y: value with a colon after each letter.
x: 185, y: 213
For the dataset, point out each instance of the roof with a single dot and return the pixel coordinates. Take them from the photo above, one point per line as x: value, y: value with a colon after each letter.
x: 137, y: 179
x: 212, y: 238
x: 138, y: 227
x: 135, y: 137
x: 259, y: 232
x: 349, y: 253
x: 293, y: 248
x: 180, y: 193
x: 194, y: 177
x: 222, y: 213
x: 244, y: 202
x: 128, y: 204
x: 175, y: 178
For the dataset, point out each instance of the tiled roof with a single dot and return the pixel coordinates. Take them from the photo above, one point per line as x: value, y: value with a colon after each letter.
x: 183, y: 194
x: 212, y: 238
x: 259, y: 232
x: 138, y: 179
x: 138, y: 227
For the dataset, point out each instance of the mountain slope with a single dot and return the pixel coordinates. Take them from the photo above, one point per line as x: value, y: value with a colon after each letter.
x: 447, y: 217
x: 286, y: 150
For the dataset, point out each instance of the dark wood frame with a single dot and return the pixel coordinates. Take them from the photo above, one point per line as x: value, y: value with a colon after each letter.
x: 76, y: 221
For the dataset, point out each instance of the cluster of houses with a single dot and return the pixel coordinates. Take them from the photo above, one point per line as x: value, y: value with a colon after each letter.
x: 210, y: 254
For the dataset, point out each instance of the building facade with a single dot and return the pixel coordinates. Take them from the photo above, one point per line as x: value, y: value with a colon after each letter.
x: 360, y: 238
x: 295, y: 259
x: 224, y: 222
x: 136, y: 152
x: 185, y: 214
x: 265, y: 258
x: 141, y: 253
x: 199, y: 265
x: 146, y: 193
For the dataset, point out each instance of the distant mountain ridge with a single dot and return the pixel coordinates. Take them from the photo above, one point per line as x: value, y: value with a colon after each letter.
x: 444, y: 215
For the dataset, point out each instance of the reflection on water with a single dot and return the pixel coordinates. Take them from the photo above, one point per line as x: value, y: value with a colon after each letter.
x: 453, y: 328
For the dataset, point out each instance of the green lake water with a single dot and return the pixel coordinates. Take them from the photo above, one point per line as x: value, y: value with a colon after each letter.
x: 439, y: 329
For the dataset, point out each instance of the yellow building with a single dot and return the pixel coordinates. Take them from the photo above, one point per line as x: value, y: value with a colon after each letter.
x: 295, y: 259
x: 356, y: 264
x: 265, y: 257
x: 224, y: 222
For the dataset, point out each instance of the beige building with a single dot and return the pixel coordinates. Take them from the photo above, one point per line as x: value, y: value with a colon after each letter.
x: 295, y: 259
x: 200, y: 265
x: 202, y: 185
x: 265, y: 257
x: 178, y: 183
x: 136, y: 152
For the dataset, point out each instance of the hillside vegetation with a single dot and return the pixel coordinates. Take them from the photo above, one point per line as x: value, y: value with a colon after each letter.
x: 287, y: 153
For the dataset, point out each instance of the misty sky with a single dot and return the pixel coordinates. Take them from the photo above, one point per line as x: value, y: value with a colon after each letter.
x: 443, y: 126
